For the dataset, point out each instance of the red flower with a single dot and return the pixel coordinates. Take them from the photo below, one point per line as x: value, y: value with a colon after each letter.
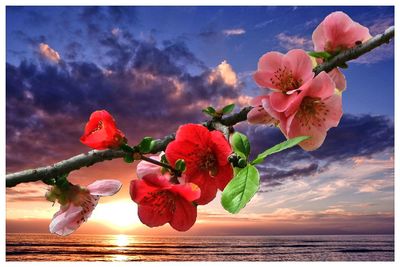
x: 206, y: 155
x: 101, y: 131
x: 161, y: 202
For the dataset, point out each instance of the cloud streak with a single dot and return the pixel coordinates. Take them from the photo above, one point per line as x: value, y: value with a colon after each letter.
x: 294, y: 41
x: 234, y: 32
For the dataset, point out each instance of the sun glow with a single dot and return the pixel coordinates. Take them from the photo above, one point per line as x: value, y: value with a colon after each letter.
x: 121, y: 240
x: 120, y: 215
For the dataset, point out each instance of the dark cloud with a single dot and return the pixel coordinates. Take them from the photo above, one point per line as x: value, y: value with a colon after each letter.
x: 356, y: 136
x: 48, y: 104
x: 73, y: 49
x: 122, y: 14
x: 276, y: 177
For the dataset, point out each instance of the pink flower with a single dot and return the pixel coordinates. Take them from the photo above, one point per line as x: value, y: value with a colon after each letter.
x: 313, y: 112
x: 338, y: 32
x: 77, y: 204
x: 258, y: 115
x: 284, y: 74
x: 162, y: 202
x: 144, y: 167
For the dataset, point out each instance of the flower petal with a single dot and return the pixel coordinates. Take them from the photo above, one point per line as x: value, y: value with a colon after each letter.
x: 220, y: 147
x: 188, y: 191
x: 223, y: 176
x: 278, y: 116
x: 267, y: 65
x: 207, y: 185
x: 188, y: 151
x: 322, y: 86
x: 342, y: 31
x: 258, y: 115
x: 139, y: 189
x: 64, y: 221
x: 270, y: 62
x: 159, y: 181
x: 338, y: 77
x: 104, y: 187
x: 101, y: 131
x: 319, y: 38
x: 317, y: 126
x: 194, y: 133
x: 338, y: 31
x: 152, y: 217
x: 70, y: 217
x: 256, y: 101
x: 263, y: 79
x: 300, y: 64
x: 144, y: 167
x: 184, y: 216
x: 281, y: 102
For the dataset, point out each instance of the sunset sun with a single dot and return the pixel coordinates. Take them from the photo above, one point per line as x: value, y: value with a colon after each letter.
x: 120, y: 215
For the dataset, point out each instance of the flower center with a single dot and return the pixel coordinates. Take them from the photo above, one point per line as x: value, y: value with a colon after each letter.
x: 161, y: 201
x: 283, y: 79
x: 209, y: 163
x: 98, y: 128
x: 312, y: 112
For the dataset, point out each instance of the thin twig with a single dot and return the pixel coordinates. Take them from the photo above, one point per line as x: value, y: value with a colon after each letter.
x: 161, y: 164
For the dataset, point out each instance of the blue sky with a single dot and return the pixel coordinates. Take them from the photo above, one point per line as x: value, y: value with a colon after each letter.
x: 164, y: 64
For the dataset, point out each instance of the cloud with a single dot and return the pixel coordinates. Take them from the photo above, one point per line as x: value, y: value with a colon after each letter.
x: 272, y: 176
x: 27, y: 193
x: 382, y: 53
x: 356, y: 136
x: 379, y: 25
x: 294, y: 41
x: 285, y: 221
x: 49, y: 53
x: 234, y: 32
x: 263, y: 24
x: 224, y: 72
x: 47, y: 105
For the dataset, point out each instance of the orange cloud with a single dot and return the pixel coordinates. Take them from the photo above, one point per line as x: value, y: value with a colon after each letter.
x: 49, y: 53
x: 224, y: 72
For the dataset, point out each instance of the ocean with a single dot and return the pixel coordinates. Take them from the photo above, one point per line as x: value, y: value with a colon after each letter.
x: 78, y: 247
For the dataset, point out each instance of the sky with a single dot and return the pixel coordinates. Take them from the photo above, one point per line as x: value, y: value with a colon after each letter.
x: 155, y: 68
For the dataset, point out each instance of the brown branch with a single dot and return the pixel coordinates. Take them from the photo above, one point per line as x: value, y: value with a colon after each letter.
x: 62, y: 167
x: 223, y: 124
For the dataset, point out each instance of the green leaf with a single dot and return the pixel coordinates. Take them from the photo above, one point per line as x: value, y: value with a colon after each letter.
x: 180, y: 165
x: 240, y: 145
x: 146, y: 145
x: 210, y: 111
x: 240, y: 189
x: 324, y: 55
x: 278, y: 148
x: 228, y: 109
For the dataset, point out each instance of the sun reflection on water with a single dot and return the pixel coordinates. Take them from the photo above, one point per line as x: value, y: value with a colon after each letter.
x: 121, y: 240
x: 120, y: 258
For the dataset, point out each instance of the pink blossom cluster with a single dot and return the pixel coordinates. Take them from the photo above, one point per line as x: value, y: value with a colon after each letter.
x: 299, y: 102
